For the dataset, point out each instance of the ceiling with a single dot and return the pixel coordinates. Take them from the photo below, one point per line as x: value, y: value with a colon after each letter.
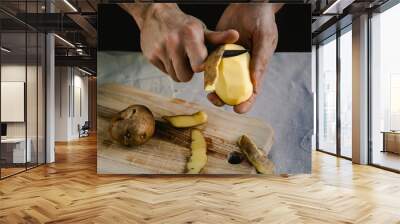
x: 76, y: 22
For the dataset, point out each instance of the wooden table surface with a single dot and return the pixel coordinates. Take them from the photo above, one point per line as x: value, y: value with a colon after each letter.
x: 167, y: 152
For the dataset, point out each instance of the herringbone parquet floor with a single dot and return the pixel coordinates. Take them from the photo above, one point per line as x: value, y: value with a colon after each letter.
x: 70, y: 191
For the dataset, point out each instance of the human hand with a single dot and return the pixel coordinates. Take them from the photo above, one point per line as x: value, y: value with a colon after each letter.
x: 257, y: 29
x: 174, y: 41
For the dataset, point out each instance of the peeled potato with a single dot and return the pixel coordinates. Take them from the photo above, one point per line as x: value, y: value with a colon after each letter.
x: 229, y: 77
x: 133, y: 126
x: 186, y: 121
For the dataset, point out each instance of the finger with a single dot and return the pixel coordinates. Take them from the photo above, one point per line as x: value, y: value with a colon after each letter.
x: 164, y: 57
x: 214, y: 99
x: 169, y: 68
x: 197, y: 54
x: 195, y: 50
x: 222, y: 37
x: 158, y: 63
x: 245, y: 106
x: 263, y: 47
x: 181, y: 64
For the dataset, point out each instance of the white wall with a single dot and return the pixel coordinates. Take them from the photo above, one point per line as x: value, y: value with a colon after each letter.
x: 12, y: 73
x: 62, y: 81
x: 79, y: 117
x: 16, y: 73
x: 70, y: 83
x: 34, y: 126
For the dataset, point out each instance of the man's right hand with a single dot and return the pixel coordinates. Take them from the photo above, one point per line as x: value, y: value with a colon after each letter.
x: 173, y: 41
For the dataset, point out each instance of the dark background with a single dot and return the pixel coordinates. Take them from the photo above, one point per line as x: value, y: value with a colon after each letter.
x: 117, y: 30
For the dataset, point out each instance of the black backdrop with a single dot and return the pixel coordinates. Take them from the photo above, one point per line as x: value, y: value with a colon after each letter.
x: 117, y: 31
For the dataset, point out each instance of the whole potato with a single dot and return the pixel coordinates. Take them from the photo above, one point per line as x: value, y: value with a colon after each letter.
x: 133, y: 126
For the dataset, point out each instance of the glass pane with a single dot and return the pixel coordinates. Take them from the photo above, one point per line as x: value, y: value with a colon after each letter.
x: 386, y: 89
x: 314, y: 90
x: 23, y: 91
x: 327, y: 97
x: 41, y: 98
x: 346, y: 94
x: 31, y: 100
x: 13, y: 87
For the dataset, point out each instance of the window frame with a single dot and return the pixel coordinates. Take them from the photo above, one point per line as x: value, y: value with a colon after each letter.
x: 26, y: 30
x: 381, y: 9
x: 334, y: 37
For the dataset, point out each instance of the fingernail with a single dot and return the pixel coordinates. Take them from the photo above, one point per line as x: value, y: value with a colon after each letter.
x: 256, y: 83
x: 218, y: 103
x: 239, y: 111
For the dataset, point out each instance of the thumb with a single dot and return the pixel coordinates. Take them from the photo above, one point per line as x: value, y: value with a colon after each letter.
x: 221, y: 37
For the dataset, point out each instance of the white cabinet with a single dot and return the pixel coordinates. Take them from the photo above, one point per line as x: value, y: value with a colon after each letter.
x: 17, y: 145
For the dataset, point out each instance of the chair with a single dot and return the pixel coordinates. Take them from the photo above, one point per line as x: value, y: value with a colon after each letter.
x: 84, y: 130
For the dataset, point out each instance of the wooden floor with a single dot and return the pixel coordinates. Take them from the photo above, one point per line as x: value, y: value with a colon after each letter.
x: 70, y: 191
x: 387, y: 159
x: 5, y: 172
x: 8, y: 171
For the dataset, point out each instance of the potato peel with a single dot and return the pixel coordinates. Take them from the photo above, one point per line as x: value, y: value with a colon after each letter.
x: 256, y: 156
x: 187, y: 121
x: 198, y: 158
x: 211, y: 68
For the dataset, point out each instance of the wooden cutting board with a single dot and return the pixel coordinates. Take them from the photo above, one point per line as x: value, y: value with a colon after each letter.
x: 168, y: 151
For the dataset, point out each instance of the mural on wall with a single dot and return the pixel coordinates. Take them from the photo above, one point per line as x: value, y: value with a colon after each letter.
x: 234, y: 99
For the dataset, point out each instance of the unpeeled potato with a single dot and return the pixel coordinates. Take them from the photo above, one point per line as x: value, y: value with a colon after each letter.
x: 134, y: 125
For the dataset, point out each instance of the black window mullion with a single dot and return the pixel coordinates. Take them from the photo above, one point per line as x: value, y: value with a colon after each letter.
x: 37, y: 90
x: 45, y: 93
x: 317, y: 96
x: 26, y: 87
x: 369, y: 94
x: 338, y: 91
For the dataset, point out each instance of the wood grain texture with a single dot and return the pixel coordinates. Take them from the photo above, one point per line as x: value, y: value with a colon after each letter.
x: 70, y: 191
x: 168, y: 151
